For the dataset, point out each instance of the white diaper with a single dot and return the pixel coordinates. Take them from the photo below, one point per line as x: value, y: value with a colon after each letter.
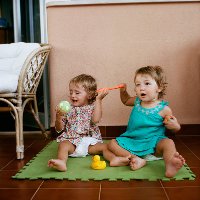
x: 151, y: 157
x: 82, y: 149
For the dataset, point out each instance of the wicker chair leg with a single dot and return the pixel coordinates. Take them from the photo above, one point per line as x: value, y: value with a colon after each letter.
x: 17, y: 129
x: 20, y: 149
x: 35, y: 114
x: 17, y: 140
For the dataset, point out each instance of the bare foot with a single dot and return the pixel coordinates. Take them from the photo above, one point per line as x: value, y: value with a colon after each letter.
x: 174, y: 165
x: 137, y: 163
x: 120, y: 161
x: 60, y: 165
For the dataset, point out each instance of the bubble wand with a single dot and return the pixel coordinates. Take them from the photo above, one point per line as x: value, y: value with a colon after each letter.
x: 111, y: 88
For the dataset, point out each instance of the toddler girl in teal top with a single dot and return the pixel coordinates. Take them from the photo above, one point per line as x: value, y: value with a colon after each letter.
x: 150, y: 116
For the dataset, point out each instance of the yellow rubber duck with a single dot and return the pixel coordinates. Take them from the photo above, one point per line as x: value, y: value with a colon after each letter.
x: 97, y: 164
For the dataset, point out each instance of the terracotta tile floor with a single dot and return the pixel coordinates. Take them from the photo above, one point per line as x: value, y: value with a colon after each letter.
x: 187, y: 145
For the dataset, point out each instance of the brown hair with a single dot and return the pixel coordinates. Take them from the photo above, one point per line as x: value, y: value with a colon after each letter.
x: 157, y: 73
x: 89, y: 84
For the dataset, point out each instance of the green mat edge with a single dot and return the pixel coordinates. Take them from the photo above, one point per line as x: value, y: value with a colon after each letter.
x: 191, y: 178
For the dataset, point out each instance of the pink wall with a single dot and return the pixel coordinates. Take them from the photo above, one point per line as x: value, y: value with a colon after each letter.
x: 111, y: 41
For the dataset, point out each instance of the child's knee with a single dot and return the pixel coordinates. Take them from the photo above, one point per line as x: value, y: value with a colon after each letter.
x: 168, y: 141
x: 171, y: 142
x: 104, y: 147
x: 112, y: 143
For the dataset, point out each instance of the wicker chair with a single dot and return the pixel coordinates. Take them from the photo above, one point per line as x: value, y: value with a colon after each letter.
x: 25, y: 96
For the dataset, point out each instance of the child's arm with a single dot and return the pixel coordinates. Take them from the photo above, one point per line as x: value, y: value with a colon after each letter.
x: 125, y: 97
x: 170, y: 121
x: 60, y: 121
x: 97, y: 114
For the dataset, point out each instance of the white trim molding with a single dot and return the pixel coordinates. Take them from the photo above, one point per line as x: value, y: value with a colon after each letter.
x: 50, y: 3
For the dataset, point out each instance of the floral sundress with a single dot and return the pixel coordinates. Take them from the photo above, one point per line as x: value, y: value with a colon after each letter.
x: 78, y: 124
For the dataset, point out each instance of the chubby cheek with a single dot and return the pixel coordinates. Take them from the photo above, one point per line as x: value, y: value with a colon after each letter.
x: 136, y: 90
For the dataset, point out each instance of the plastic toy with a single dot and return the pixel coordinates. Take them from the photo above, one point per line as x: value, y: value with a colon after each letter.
x: 97, y: 164
x: 112, y: 88
x: 64, y: 106
x: 168, y: 118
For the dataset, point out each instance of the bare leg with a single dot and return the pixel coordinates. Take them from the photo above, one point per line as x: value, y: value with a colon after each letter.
x: 117, y: 150
x: 101, y: 148
x: 64, y: 148
x: 135, y: 161
x: 173, y: 160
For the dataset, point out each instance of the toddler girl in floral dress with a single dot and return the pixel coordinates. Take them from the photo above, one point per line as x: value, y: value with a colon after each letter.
x: 79, y: 133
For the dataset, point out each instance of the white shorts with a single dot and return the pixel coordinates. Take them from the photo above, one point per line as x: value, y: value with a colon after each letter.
x: 82, y: 149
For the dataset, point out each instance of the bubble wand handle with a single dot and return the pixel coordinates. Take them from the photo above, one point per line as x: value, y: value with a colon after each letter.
x: 111, y: 88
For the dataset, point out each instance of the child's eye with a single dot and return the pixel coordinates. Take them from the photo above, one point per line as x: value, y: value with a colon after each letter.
x: 137, y: 84
x: 147, y: 83
x: 77, y: 92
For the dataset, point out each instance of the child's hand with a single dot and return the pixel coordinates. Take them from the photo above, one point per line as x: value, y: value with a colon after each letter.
x: 102, y: 94
x: 124, y: 87
x: 171, y: 123
x: 59, y: 111
x: 61, y: 119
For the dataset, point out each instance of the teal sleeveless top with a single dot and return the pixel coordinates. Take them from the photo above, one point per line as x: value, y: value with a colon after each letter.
x: 145, y: 129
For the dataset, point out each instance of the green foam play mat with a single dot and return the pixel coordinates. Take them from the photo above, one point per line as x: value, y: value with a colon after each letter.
x: 79, y: 169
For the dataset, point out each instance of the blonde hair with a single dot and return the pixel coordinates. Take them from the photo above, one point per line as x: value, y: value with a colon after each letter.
x: 89, y: 84
x: 157, y: 73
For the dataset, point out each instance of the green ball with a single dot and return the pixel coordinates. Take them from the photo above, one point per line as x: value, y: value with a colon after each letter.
x: 64, y: 106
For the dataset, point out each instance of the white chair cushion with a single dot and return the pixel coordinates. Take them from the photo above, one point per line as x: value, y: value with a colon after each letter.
x: 12, y: 58
x: 8, y: 82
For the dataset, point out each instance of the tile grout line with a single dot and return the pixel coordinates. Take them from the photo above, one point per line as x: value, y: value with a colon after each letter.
x: 37, y: 190
x: 14, y: 158
x: 182, y: 187
x: 164, y: 190
x: 29, y: 146
x: 99, y: 197
x: 7, y: 164
x: 188, y: 148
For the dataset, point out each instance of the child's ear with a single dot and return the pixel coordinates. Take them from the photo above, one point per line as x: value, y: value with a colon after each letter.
x: 89, y: 96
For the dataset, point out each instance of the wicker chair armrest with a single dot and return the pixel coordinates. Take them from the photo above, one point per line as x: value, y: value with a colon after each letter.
x: 32, y: 70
